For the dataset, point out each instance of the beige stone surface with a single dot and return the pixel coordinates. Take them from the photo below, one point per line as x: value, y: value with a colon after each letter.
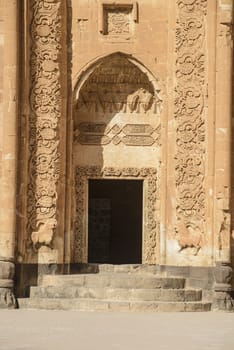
x: 137, y: 90
x: 108, y: 331
x: 8, y: 126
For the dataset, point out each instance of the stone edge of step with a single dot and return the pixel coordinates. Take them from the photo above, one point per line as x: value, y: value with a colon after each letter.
x: 108, y: 280
x: 115, y: 294
x: 110, y: 305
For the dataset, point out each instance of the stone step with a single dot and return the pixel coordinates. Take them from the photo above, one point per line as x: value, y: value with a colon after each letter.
x: 110, y: 305
x: 122, y: 268
x: 127, y: 294
x: 119, y: 280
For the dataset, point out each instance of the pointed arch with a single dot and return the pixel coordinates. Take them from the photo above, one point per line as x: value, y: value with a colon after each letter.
x: 90, y: 68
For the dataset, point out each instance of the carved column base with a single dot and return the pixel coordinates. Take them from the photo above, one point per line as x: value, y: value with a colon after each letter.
x: 223, y: 288
x: 7, y: 298
x: 47, y: 261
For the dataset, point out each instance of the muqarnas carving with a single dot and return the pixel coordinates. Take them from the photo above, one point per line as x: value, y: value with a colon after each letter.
x: 118, y: 86
x: 190, y: 123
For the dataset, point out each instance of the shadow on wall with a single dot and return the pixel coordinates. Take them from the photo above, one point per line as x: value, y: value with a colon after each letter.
x: 113, y: 99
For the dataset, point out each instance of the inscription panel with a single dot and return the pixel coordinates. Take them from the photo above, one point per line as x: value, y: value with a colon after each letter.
x: 117, y: 20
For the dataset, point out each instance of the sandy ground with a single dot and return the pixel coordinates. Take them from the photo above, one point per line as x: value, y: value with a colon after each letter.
x: 68, y: 330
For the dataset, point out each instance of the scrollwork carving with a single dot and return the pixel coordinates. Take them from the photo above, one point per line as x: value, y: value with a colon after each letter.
x: 45, y: 103
x: 190, y: 122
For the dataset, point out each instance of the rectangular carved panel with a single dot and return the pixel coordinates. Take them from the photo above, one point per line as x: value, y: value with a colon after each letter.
x: 89, y: 133
x: 151, y: 204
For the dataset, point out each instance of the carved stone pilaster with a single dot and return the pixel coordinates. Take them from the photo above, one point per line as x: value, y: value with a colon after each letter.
x: 190, y: 123
x: 46, y: 160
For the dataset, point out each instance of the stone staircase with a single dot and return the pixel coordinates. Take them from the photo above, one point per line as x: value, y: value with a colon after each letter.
x: 115, y: 288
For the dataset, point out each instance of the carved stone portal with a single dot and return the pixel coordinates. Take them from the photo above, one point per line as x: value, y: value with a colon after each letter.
x: 151, y: 205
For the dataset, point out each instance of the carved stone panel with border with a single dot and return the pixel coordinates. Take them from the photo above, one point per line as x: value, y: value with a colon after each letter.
x: 151, y: 205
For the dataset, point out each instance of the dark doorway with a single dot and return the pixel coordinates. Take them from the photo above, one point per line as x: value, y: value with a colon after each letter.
x: 115, y: 221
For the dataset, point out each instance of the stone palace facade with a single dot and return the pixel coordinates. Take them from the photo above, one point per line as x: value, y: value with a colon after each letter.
x: 115, y: 140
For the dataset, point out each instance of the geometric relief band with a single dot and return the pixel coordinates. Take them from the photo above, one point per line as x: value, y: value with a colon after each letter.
x: 89, y: 133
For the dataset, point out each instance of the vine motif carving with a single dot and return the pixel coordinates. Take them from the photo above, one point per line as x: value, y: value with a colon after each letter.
x: 151, y: 234
x: 190, y: 122
x: 45, y: 103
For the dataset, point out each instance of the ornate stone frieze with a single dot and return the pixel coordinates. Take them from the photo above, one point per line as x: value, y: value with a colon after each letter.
x: 190, y: 122
x: 45, y: 103
x: 89, y: 133
x: 151, y: 215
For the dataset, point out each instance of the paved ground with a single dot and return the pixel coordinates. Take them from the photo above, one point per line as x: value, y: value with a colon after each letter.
x: 69, y: 330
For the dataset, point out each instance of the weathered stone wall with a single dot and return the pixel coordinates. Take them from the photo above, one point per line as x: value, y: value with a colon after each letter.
x: 126, y: 90
x: 174, y: 40
x: 42, y: 142
x: 8, y: 146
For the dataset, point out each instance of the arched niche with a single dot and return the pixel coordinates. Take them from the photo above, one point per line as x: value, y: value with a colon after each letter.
x: 117, y: 135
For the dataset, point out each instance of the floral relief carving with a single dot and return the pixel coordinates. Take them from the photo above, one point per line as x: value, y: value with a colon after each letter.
x: 151, y: 216
x: 188, y: 6
x: 118, y: 20
x: 190, y: 122
x: 45, y: 104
